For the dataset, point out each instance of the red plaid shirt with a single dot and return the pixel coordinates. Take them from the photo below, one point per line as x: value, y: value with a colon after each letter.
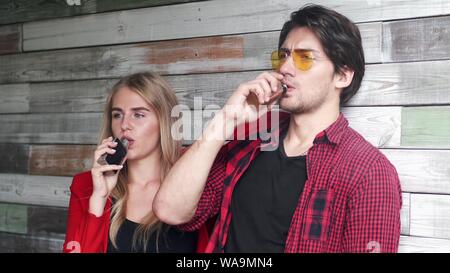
x: 350, y: 203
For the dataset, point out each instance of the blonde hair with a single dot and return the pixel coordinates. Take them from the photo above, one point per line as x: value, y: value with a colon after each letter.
x: 158, y: 94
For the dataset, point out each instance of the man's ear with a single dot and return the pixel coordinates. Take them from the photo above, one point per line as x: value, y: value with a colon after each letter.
x: 344, y: 77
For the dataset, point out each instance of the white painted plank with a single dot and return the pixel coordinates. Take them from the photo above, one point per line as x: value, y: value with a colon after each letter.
x: 430, y: 215
x: 381, y: 126
x: 415, y: 83
x: 35, y: 190
x: 205, y: 19
x: 404, y: 213
x: 423, y: 171
x: 410, y: 244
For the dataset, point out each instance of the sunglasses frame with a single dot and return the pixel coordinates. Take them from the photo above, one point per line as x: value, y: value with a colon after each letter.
x: 301, y: 62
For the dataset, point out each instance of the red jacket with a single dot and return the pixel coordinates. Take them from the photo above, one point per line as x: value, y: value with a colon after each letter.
x: 89, y: 233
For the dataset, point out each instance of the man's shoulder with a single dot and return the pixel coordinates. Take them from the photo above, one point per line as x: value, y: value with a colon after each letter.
x: 360, y: 151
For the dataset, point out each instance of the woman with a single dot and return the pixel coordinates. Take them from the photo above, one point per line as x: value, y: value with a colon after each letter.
x: 113, y: 213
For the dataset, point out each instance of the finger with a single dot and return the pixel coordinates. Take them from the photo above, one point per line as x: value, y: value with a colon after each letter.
x: 273, y: 78
x: 107, y: 139
x: 101, y: 152
x: 266, y: 89
x: 106, y: 168
x: 258, y: 91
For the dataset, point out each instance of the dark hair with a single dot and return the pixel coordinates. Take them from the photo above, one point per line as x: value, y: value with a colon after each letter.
x: 340, y: 39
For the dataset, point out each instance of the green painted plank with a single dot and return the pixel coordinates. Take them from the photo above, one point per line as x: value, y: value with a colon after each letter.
x: 13, y: 11
x: 426, y: 127
x: 13, y: 218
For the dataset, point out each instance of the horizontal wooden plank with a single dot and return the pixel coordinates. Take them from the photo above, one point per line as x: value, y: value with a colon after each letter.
x: 411, y: 244
x: 35, y: 190
x: 405, y: 213
x: 426, y: 127
x: 60, y: 160
x: 13, y: 11
x: 204, y: 19
x: 13, y: 218
x: 198, y: 55
x: 46, y: 221
x: 15, y: 98
x: 15, y: 243
x: 14, y: 158
x: 416, y: 83
x: 32, y: 220
x: 82, y: 128
x: 416, y: 40
x: 422, y: 171
x: 430, y: 215
x: 10, y: 39
x: 381, y: 126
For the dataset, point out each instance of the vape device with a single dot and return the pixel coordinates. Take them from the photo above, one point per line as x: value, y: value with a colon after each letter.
x: 118, y: 156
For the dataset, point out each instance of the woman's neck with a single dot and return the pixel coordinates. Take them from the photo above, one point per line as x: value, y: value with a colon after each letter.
x: 145, y: 171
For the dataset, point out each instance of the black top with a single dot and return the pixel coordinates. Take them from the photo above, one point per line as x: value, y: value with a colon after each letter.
x: 264, y: 201
x: 171, y: 241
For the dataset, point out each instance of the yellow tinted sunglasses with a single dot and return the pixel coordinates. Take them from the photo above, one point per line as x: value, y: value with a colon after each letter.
x: 303, y: 58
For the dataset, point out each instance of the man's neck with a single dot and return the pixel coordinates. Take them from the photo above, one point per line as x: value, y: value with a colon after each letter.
x: 304, y: 127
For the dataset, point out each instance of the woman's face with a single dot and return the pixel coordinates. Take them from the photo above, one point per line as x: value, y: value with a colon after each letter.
x: 134, y: 119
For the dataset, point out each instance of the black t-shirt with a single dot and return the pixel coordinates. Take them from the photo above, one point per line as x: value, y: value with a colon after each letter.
x: 170, y: 241
x: 264, y: 201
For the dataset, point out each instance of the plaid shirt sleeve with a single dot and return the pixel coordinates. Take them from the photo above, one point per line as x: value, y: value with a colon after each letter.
x: 373, y: 223
x: 209, y: 203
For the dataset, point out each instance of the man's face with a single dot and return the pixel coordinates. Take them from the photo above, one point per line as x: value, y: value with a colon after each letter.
x: 310, y: 89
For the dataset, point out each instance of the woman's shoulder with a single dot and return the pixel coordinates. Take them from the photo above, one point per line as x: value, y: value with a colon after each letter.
x: 82, y: 183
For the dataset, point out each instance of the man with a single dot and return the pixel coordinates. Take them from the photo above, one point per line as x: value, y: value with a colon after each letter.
x: 324, y: 189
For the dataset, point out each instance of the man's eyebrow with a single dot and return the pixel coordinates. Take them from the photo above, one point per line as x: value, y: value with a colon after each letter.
x: 302, y: 49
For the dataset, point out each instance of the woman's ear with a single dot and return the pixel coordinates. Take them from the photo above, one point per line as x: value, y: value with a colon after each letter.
x: 344, y: 77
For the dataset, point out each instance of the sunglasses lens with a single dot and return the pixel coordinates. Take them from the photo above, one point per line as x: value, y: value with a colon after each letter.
x: 303, y: 59
x: 277, y: 59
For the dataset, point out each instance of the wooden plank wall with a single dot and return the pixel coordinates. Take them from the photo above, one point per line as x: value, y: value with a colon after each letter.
x: 57, y: 62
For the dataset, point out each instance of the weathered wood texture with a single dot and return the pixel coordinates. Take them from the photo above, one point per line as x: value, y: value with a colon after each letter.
x: 32, y: 220
x: 35, y: 190
x: 13, y: 11
x: 14, y: 158
x: 381, y: 126
x: 10, y: 39
x: 409, y: 84
x: 60, y: 160
x: 418, y: 127
x: 16, y: 243
x: 422, y: 171
x: 410, y: 244
x: 417, y: 40
x: 426, y: 127
x: 203, y: 19
x: 430, y: 215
